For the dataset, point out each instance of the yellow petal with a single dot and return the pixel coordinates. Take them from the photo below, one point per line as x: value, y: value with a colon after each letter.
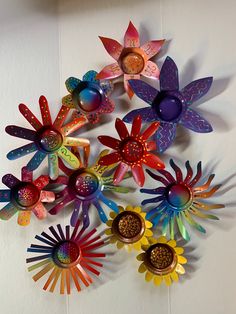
x: 148, y: 276
x: 179, y: 250
x: 137, y: 246
x: 121, y: 209
x: 179, y: 269
x: 172, y: 243
x: 148, y: 233
x: 162, y: 239
x: 137, y: 209
x: 129, y: 208
x: 182, y: 259
x: 174, y: 276
x: 167, y: 280
x: 157, y: 280
x: 120, y: 245
x: 141, y: 257
x: 143, y: 215
x: 129, y: 248
x: 144, y: 241
x: 109, y: 223
x: 148, y: 224
x: 152, y: 240
x: 108, y: 232
x: 142, y: 268
x: 113, y: 215
x: 113, y: 239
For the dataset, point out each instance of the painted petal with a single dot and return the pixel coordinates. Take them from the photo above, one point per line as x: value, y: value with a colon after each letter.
x: 40, y: 211
x: 153, y: 161
x: 17, y: 131
x: 8, y: 211
x: 73, y: 125
x: 150, y: 130
x: 85, y: 209
x: 45, y: 112
x: 112, y: 205
x: 147, y: 114
x: 151, y: 48
x: 143, y: 90
x: 67, y: 101
x: 136, y: 126
x: 5, y: 196
x: 90, y: 76
x: 165, y: 136
x: 120, y: 172
x: 182, y: 229
x: 10, y: 181
x: 109, y: 141
x: 131, y: 38
x: 196, y: 89
x: 159, y: 190
x: 110, y: 71
x: 177, y: 170
x: 107, y: 106
x: 76, y: 141
x: 121, y: 129
x: 60, y: 206
x: 75, y: 215
x: 41, y: 182
x: 24, y: 218
x: 109, y: 159
x: 158, y: 178
x: 169, y: 79
x: 101, y: 212
x: 26, y: 175
x: 36, y: 161
x: 47, y: 197
x: 72, y: 83
x: 62, y: 114
x: 128, y: 89
x: 112, y: 47
x: 193, y: 121
x: 22, y: 151
x: 70, y: 158
x: 151, y: 70
x: 53, y: 166
x: 30, y: 117
x: 138, y: 174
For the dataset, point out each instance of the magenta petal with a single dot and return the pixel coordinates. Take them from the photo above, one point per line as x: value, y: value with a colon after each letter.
x: 196, y: 89
x: 147, y: 114
x: 165, y: 136
x: 131, y: 38
x: 193, y: 121
x: 169, y: 80
x: 112, y: 47
x: 138, y: 174
x: 143, y: 90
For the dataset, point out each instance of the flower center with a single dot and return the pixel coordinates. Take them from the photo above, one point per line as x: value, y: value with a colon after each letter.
x: 178, y: 195
x: 89, y: 99
x: 161, y: 256
x: 50, y: 140
x: 168, y: 108
x: 26, y: 195
x: 132, y: 63
x: 83, y: 183
x: 132, y: 150
x: 66, y: 253
x: 128, y: 227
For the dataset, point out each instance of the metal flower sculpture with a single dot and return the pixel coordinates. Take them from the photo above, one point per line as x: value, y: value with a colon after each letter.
x: 85, y: 187
x: 180, y: 199
x: 132, y: 60
x: 25, y: 196
x: 49, y: 139
x: 89, y: 97
x: 132, y: 150
x: 68, y: 256
x: 162, y: 261
x: 170, y: 106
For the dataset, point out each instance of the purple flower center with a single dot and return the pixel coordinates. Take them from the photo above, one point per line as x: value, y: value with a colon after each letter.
x: 167, y: 107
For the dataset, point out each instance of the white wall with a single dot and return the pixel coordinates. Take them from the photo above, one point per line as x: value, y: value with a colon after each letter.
x: 37, y: 53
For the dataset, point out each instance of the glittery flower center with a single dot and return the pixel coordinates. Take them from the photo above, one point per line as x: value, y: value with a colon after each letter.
x: 167, y: 107
x: 178, y: 195
x: 132, y: 63
x: 89, y: 99
x: 83, y: 183
x: 132, y: 150
x: 50, y: 140
x: 66, y: 253
x: 25, y: 195
x: 161, y: 256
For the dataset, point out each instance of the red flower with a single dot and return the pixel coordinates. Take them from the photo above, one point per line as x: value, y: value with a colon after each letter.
x: 132, y: 150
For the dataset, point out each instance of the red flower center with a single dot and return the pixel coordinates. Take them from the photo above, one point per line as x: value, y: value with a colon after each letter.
x: 132, y: 63
x: 49, y: 140
x: 25, y: 195
x: 132, y: 150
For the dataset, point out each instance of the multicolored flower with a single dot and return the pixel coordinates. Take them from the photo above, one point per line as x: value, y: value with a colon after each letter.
x: 89, y: 97
x: 180, y: 199
x: 68, y: 256
x: 162, y: 261
x: 49, y: 139
x: 129, y: 228
x: 132, y: 60
x: 131, y: 151
x: 85, y: 187
x: 24, y: 197
x: 171, y: 106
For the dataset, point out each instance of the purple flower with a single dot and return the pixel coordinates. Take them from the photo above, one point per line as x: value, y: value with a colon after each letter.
x: 170, y: 105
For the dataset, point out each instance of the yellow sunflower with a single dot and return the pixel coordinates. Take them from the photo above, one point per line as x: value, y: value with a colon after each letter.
x: 129, y: 228
x: 162, y: 261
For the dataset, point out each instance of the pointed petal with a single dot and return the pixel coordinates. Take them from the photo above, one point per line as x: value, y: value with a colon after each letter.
x: 22, y: 151
x: 138, y: 174
x: 196, y: 89
x: 169, y: 80
x: 151, y: 70
x: 67, y: 101
x: 24, y: 218
x: 112, y: 47
x: 5, y: 196
x: 53, y: 166
x: 195, y: 122
x: 157, y: 280
x: 72, y: 83
x: 36, y: 161
x: 30, y: 117
x: 40, y: 211
x: 174, y: 276
x: 120, y: 172
x: 153, y: 161
x: 8, y: 211
x: 165, y: 136
x: 109, y: 141
x: 110, y: 71
x: 147, y: 114
x: 127, y: 86
x: 107, y: 106
x: 121, y: 129
x: 182, y: 229
x: 192, y: 222
x: 136, y: 126
x: 20, y: 132
x: 143, y: 90
x: 179, y: 269
x: 70, y: 158
x: 131, y: 38
x: 10, y: 181
x: 151, y: 48
x: 142, y: 268
x: 61, y: 116
x: 177, y: 170
x: 189, y: 172
x: 45, y: 112
x: 90, y: 76
x: 150, y: 130
x: 109, y: 159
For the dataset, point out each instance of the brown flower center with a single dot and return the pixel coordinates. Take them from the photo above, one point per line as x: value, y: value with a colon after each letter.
x: 132, y: 63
